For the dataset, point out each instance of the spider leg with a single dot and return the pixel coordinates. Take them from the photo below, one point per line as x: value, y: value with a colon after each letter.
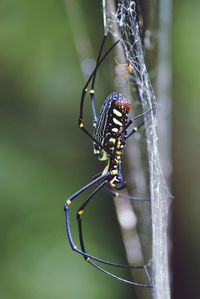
x: 134, y: 130
x: 67, y: 204
x: 70, y: 199
x: 80, y: 213
x: 84, y: 90
x: 93, y: 83
x: 137, y: 284
x: 118, y: 194
x: 93, y: 182
x: 96, y: 175
x: 131, y: 120
x: 124, y: 196
x: 88, y: 257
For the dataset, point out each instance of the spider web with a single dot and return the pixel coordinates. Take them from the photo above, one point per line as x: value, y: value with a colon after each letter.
x: 122, y: 23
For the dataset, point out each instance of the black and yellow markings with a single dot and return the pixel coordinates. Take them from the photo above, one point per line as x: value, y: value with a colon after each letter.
x: 118, y: 143
x: 115, y: 130
x: 117, y: 112
x: 68, y: 202
x: 114, y: 172
x: 102, y: 155
x: 118, y: 153
x: 111, y: 183
x: 112, y: 140
x: 91, y: 91
x: 80, y: 212
x: 117, y: 122
x: 80, y: 123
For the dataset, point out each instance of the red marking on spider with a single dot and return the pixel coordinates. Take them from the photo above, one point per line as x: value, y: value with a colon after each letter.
x: 123, y: 104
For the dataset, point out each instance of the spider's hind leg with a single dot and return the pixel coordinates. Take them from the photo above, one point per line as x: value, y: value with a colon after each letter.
x: 125, y: 196
x: 79, y: 217
x: 92, y: 259
x: 69, y: 201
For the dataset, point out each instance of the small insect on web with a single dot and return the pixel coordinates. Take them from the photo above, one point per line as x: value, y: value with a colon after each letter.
x: 109, y: 139
x: 124, y: 70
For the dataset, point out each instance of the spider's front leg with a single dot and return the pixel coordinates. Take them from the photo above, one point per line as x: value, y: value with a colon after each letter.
x: 91, y: 80
x: 131, y: 120
x: 134, y: 130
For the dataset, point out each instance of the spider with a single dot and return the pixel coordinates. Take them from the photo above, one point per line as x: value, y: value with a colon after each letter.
x: 126, y: 68
x: 109, y: 141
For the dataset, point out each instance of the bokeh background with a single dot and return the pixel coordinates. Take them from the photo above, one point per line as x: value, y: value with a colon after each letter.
x: 44, y: 156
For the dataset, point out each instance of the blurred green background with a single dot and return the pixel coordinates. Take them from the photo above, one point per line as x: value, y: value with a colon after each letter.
x: 44, y: 156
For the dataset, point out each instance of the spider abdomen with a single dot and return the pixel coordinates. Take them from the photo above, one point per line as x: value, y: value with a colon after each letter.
x: 110, y: 124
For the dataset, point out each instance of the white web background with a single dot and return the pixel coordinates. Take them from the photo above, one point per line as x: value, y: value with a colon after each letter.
x: 122, y: 23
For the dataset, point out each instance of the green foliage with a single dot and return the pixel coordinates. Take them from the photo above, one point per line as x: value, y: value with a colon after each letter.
x: 43, y: 158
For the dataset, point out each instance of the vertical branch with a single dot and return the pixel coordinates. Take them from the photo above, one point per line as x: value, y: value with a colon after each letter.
x: 127, y: 216
x: 160, y: 207
x: 126, y: 18
x: 163, y: 86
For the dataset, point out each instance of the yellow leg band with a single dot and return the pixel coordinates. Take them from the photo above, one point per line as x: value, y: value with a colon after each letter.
x: 80, y: 212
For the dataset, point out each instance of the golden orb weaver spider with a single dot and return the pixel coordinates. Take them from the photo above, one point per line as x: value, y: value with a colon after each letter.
x: 109, y: 140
